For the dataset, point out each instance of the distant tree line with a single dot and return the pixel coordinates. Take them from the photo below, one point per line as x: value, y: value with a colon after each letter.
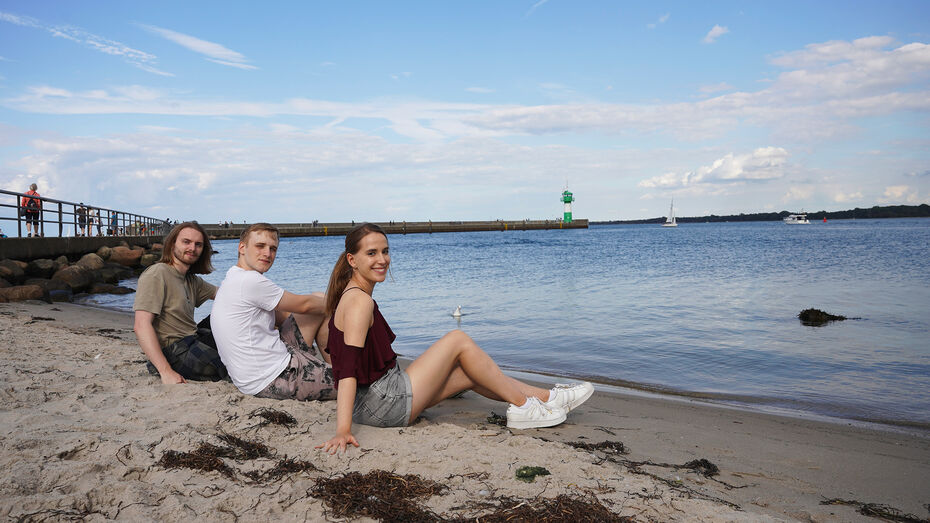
x: 890, y: 211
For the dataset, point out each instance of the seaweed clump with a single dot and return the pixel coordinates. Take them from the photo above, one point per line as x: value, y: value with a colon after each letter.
x: 379, y: 495
x: 562, y: 509
x: 610, y: 447
x: 173, y: 459
x: 206, y: 457
x: 273, y: 417
x: 817, y: 317
x: 497, y: 419
x: 280, y: 469
x: 528, y: 474
x: 876, y: 510
x: 702, y: 467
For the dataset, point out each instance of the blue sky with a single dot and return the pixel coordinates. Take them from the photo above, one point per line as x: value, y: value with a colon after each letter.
x: 338, y: 111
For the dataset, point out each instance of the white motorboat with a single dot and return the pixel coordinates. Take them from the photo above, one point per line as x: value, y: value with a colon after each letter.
x: 670, y: 220
x: 797, y: 219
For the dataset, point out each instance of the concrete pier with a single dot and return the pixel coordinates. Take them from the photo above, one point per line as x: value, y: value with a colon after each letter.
x: 26, y: 249
x: 340, y: 229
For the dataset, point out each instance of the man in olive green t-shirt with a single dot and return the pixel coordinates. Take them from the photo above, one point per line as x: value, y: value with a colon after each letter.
x: 166, y: 296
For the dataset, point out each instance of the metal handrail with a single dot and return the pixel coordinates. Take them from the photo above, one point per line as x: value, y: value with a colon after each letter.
x: 113, y: 222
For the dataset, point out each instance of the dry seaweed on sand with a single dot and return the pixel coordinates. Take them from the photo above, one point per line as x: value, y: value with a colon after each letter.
x: 378, y: 494
x: 282, y: 468
x: 273, y: 417
x: 562, y: 509
x: 173, y: 459
x: 615, y: 447
x: 877, y: 510
x: 245, y: 449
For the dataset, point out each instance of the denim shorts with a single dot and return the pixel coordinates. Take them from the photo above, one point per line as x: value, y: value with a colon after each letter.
x: 386, y: 402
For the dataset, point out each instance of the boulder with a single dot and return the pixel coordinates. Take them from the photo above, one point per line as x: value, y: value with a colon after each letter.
x: 61, y: 262
x: 108, y: 288
x: 149, y: 259
x: 41, y: 268
x: 22, y: 265
x: 78, y: 278
x: 113, y: 273
x: 104, y: 253
x: 57, y: 289
x: 90, y: 261
x: 157, y: 247
x: 122, y: 243
x: 24, y: 292
x: 11, y: 271
x: 125, y: 256
x: 4, y: 284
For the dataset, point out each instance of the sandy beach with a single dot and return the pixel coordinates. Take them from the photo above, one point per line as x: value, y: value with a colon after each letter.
x: 87, y: 433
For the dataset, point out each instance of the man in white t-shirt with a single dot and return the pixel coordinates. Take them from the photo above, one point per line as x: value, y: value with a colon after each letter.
x: 265, y: 334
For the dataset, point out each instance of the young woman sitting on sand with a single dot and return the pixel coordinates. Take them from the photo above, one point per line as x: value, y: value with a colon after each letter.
x: 374, y: 390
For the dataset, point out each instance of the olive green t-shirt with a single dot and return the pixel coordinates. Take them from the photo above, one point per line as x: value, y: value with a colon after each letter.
x: 171, y: 297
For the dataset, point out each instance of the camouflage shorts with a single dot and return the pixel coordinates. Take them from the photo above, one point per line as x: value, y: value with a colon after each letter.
x: 307, y: 376
x: 194, y: 358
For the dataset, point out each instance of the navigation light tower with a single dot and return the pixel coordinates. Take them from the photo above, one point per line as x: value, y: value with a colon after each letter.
x: 567, y: 199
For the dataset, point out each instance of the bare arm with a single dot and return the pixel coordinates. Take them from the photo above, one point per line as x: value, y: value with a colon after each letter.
x: 345, y: 404
x: 301, y: 303
x: 148, y: 340
x: 355, y: 312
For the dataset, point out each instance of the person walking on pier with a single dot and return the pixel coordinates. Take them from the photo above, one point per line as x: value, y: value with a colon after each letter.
x: 31, y: 209
x: 166, y: 295
x: 262, y: 361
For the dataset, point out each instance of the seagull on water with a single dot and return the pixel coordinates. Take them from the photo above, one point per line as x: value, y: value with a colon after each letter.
x: 457, y: 313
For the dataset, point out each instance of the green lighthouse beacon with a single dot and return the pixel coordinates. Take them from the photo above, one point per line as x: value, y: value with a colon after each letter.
x: 567, y: 199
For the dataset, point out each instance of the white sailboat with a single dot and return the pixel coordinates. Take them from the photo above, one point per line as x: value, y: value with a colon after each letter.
x: 670, y: 220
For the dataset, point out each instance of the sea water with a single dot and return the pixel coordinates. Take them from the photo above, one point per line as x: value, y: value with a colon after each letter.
x: 707, y: 310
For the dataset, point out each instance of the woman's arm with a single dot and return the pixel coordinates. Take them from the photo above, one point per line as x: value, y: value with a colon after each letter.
x: 345, y: 403
x: 355, y: 313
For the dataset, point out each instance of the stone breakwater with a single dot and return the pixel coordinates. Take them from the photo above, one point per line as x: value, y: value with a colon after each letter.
x: 63, y: 280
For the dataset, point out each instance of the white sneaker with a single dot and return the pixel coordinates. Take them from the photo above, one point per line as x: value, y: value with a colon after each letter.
x: 567, y: 397
x: 533, y: 414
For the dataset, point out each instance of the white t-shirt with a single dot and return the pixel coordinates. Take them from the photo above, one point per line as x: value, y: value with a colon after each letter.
x: 243, y: 326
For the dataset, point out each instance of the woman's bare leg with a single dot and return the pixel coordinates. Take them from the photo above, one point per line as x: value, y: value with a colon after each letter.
x: 456, y: 363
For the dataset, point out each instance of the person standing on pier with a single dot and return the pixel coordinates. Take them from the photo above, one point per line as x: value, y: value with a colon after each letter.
x: 166, y: 295
x: 265, y: 334
x: 31, y: 209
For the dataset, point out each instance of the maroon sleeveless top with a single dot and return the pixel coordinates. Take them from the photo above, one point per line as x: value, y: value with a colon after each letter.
x: 368, y: 363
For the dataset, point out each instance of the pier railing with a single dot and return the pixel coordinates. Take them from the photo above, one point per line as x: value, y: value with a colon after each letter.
x: 60, y: 218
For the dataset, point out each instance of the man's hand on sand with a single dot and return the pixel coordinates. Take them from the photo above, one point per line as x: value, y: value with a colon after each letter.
x: 170, y: 377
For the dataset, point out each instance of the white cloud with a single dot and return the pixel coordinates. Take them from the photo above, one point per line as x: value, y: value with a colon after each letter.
x: 715, y: 88
x: 716, y: 32
x: 662, y: 19
x: 141, y: 59
x: 798, y: 193
x: 900, y: 194
x: 794, y: 109
x: 847, y: 197
x: 214, y: 52
x: 765, y: 163
x: 535, y: 6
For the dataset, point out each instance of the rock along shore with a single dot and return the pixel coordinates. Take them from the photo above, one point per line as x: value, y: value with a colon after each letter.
x: 63, y: 279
